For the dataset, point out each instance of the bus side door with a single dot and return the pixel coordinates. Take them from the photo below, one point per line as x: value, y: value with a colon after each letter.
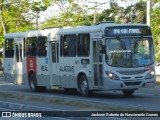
x: 55, y: 64
x: 97, y: 63
x: 9, y: 59
x: 18, y: 63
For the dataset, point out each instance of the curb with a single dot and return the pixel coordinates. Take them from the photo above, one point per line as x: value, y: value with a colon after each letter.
x: 23, y: 107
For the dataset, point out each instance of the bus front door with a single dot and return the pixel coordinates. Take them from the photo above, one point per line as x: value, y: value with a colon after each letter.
x: 18, y: 63
x: 97, y: 64
x: 55, y: 60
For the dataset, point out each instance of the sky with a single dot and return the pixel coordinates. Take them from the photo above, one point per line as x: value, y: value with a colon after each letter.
x: 51, y: 11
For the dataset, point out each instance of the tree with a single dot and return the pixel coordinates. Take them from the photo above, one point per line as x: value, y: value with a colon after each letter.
x: 135, y: 13
x: 72, y: 13
x: 155, y: 25
x: 37, y: 7
x: 12, y: 17
x: 111, y: 13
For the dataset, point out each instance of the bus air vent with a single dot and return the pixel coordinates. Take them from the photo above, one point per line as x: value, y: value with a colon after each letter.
x: 139, y: 77
x: 126, y: 77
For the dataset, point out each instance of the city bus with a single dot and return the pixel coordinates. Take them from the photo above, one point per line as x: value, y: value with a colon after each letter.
x: 101, y: 57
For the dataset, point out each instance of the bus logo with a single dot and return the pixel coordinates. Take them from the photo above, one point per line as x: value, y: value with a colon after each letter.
x: 31, y: 63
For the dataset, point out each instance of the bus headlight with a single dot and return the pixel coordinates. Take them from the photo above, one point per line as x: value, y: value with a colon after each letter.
x: 150, y: 75
x: 112, y: 75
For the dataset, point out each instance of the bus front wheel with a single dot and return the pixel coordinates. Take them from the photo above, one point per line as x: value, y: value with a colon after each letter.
x: 84, y: 86
x: 128, y: 92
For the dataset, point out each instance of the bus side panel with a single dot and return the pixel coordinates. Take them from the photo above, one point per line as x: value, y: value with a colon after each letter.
x: 24, y: 71
x: 67, y: 72
x: 9, y: 60
x: 9, y: 69
x: 70, y: 70
x: 43, y: 78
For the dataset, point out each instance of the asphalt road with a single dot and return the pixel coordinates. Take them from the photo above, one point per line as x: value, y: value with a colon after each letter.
x: 144, y: 99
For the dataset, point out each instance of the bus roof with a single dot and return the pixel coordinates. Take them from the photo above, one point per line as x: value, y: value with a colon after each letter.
x: 15, y: 35
x: 79, y: 29
x: 93, y: 28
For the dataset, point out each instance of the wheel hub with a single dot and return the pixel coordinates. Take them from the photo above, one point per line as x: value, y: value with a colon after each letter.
x: 84, y: 86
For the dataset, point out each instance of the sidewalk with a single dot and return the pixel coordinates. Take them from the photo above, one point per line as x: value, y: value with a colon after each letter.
x: 158, y: 79
x: 1, y: 73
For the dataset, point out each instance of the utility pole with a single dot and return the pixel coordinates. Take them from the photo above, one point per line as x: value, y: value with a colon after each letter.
x: 148, y: 12
x: 95, y: 11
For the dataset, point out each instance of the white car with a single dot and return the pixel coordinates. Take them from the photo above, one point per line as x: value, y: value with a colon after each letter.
x: 157, y: 69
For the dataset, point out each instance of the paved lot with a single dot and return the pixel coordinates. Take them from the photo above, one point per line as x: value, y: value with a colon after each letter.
x: 158, y: 78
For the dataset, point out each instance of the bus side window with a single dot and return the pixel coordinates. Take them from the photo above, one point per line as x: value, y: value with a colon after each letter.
x: 61, y: 45
x: 42, y: 46
x: 69, y: 45
x: 31, y: 46
x: 83, y: 45
x: 9, y: 48
x: 19, y: 53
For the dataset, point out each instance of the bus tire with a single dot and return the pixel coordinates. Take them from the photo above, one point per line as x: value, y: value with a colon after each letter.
x: 128, y: 92
x: 84, y: 86
x: 33, y: 83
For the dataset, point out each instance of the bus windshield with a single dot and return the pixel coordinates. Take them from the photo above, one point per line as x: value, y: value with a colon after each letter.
x: 129, y: 52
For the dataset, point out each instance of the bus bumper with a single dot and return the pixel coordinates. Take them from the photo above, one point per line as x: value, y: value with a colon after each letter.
x: 128, y: 84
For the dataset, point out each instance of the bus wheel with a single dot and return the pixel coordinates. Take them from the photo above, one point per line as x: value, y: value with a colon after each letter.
x: 33, y: 83
x: 128, y: 92
x: 84, y: 87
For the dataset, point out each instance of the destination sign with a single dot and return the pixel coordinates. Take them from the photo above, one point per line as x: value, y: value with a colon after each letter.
x: 127, y: 31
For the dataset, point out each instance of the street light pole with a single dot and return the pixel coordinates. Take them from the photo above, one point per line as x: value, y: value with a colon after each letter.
x: 95, y: 11
x: 148, y: 12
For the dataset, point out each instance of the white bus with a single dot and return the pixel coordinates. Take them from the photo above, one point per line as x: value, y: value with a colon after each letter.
x: 106, y: 56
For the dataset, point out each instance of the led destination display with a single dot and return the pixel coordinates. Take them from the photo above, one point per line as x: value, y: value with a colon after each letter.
x: 127, y: 31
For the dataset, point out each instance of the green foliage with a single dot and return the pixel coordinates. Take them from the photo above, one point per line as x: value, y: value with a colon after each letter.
x: 71, y: 15
x: 155, y: 25
x: 38, y: 7
x: 74, y: 15
x: 13, y: 17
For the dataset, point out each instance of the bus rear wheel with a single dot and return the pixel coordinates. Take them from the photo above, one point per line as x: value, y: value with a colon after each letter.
x: 84, y: 86
x: 128, y: 92
x: 33, y: 84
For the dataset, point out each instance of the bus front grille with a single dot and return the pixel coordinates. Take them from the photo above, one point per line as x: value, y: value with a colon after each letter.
x: 131, y: 72
x: 132, y: 83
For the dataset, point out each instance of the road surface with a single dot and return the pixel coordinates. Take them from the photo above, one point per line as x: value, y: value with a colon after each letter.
x: 51, y: 100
